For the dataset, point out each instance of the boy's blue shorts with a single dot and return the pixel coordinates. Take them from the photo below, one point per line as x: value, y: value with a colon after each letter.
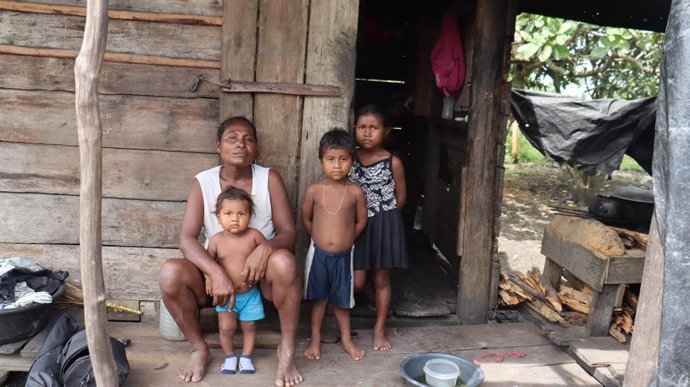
x: 329, y: 276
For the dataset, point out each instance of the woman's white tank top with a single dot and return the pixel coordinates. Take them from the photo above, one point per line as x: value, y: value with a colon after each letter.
x: 262, y: 220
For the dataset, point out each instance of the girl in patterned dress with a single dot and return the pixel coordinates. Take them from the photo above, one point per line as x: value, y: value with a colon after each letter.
x: 381, y: 246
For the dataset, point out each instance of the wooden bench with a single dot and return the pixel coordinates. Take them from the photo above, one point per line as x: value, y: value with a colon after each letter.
x: 602, y: 273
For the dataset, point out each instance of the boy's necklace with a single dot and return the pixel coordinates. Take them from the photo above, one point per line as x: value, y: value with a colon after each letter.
x: 341, y: 199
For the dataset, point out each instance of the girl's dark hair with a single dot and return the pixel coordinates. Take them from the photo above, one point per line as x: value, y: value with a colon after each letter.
x: 337, y: 139
x: 374, y: 111
x: 234, y: 193
x: 241, y: 120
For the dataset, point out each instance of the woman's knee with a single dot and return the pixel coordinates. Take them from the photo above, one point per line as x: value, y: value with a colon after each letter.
x: 381, y: 278
x: 177, y: 273
x: 282, y: 266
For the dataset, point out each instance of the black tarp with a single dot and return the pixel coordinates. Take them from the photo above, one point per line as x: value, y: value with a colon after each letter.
x: 672, y: 197
x: 590, y: 135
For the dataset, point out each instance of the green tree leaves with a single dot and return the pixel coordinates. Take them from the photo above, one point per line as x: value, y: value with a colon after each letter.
x: 550, y: 54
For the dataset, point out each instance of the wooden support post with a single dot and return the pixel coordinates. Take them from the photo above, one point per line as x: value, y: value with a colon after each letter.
x: 552, y: 272
x: 644, y: 347
x: 485, y: 129
x: 238, y: 54
x: 86, y: 75
x: 599, y: 318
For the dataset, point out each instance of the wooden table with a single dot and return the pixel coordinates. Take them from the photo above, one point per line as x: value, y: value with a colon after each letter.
x: 602, y: 273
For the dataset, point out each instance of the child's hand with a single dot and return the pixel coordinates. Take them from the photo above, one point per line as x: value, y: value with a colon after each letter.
x: 209, y: 285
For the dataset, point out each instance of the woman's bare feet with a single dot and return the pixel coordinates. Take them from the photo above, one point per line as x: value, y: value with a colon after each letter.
x: 355, y: 352
x: 313, y: 351
x: 380, y: 341
x: 195, y: 368
x: 287, y: 374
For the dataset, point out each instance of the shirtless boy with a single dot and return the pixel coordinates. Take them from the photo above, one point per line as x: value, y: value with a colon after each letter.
x: 230, y: 248
x: 334, y: 213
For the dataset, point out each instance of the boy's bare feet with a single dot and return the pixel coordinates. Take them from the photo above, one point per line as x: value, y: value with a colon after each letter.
x: 313, y: 351
x: 195, y: 368
x: 380, y: 341
x: 287, y: 374
x: 355, y: 352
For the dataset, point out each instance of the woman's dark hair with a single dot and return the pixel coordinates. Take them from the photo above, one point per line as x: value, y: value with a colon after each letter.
x: 234, y: 121
x: 234, y: 193
x: 337, y: 139
x: 374, y: 111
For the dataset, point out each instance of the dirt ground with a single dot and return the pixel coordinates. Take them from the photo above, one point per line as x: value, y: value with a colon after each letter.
x: 528, y: 193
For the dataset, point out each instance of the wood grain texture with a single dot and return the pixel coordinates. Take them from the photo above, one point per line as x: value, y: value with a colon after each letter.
x: 281, y: 58
x: 127, y: 174
x: 112, y: 14
x: 240, y: 18
x: 188, y: 7
x: 54, y: 219
x: 132, y: 272
x: 131, y: 37
x: 131, y: 122
x: 479, y: 190
x: 331, y: 55
x: 57, y: 74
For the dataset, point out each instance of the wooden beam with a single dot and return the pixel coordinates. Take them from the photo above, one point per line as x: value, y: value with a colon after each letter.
x: 281, y: 56
x: 53, y: 9
x: 238, y: 54
x: 644, y: 347
x: 86, y: 73
x: 111, y: 57
x: 330, y: 59
x: 479, y: 191
x: 282, y: 88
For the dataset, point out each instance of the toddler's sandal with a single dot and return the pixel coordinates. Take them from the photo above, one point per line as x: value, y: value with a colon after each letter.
x: 229, y: 366
x: 246, y: 365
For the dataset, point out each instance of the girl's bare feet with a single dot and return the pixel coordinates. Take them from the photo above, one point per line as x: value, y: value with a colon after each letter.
x: 195, y: 368
x: 355, y: 352
x: 287, y: 374
x: 380, y: 341
x: 313, y: 351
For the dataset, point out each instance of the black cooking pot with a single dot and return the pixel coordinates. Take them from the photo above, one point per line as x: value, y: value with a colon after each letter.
x: 637, y: 205
x: 606, y: 207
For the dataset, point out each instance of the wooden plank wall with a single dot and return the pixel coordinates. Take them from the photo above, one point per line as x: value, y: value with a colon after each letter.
x: 156, y: 132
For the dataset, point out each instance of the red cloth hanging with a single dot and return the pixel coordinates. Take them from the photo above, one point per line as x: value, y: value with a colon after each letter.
x: 448, y: 58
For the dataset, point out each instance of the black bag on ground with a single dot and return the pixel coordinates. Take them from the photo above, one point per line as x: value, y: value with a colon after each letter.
x: 75, y: 362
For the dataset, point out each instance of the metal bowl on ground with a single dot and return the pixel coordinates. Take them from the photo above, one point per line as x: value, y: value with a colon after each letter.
x: 412, y: 369
x: 23, y: 323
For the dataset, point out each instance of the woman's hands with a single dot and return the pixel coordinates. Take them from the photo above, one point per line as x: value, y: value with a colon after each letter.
x: 256, y: 264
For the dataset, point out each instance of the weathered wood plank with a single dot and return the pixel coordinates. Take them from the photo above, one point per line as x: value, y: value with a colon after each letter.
x: 189, y: 7
x: 127, y: 174
x: 330, y: 60
x: 485, y: 129
x: 128, y: 121
x: 599, y: 319
x: 57, y: 74
x: 238, y: 54
x: 579, y: 261
x: 55, y: 9
x: 625, y: 270
x: 644, y: 345
x: 281, y: 58
x: 130, y: 272
x: 54, y: 219
x: 133, y: 37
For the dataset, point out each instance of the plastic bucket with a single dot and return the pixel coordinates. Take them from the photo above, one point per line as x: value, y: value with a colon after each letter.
x: 441, y: 373
x: 167, y: 326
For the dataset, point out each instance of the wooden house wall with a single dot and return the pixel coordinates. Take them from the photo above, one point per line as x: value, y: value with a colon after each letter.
x: 157, y: 133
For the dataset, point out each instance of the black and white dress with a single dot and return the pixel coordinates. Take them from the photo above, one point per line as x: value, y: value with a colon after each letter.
x: 382, y: 243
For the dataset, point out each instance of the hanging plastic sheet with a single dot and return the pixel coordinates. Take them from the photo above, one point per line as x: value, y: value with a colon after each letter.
x: 588, y: 134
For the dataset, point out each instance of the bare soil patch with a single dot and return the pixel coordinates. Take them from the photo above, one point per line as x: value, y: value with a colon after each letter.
x: 528, y: 193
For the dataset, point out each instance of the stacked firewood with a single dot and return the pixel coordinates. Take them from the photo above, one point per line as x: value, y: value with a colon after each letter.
x: 537, y: 293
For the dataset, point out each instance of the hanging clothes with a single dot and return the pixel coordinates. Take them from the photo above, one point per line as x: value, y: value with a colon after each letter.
x: 447, y: 57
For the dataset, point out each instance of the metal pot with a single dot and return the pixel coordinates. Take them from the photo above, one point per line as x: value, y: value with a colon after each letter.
x: 637, y: 205
x: 606, y: 207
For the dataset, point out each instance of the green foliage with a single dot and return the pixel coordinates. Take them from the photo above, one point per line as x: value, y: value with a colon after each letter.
x: 526, y: 152
x: 629, y: 164
x: 550, y: 54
